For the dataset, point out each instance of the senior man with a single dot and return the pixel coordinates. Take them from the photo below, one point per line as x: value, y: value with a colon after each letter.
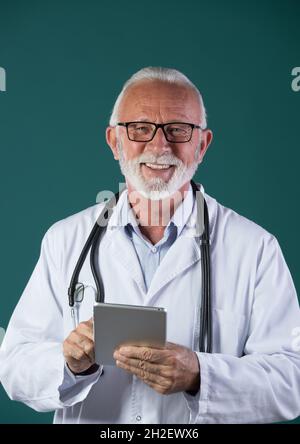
x: 158, y: 133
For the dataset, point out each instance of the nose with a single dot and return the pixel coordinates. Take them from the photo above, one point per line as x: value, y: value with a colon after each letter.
x: 159, y: 142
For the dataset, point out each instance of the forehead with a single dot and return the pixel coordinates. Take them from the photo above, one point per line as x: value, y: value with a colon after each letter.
x: 156, y: 100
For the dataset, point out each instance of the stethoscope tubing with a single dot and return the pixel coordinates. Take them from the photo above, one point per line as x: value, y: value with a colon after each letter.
x: 92, y: 243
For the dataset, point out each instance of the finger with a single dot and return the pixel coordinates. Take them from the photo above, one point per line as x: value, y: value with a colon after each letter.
x: 80, y: 335
x: 144, y: 353
x: 172, y: 346
x: 81, y: 344
x: 158, y: 388
x: 88, y: 346
x: 86, y: 329
x: 156, y: 369
x: 75, y: 351
x: 145, y: 375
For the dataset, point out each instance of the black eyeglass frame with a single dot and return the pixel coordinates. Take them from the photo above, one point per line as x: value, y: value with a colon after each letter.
x: 162, y: 126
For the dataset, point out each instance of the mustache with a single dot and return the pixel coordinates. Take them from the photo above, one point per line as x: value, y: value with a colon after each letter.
x: 167, y: 158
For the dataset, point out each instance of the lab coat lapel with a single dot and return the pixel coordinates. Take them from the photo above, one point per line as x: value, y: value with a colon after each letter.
x: 123, y: 252
x: 182, y: 254
x: 119, y: 247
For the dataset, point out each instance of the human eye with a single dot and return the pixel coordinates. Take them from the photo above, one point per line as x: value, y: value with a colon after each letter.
x: 177, y: 130
x: 141, y: 128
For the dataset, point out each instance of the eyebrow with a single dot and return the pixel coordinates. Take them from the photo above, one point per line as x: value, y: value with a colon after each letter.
x: 177, y: 119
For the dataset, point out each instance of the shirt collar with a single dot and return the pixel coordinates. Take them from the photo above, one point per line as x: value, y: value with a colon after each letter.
x: 125, y: 215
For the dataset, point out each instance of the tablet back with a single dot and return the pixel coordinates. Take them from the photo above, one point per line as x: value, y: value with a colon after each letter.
x: 116, y: 324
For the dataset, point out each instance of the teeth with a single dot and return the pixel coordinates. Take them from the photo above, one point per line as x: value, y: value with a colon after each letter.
x: 156, y: 166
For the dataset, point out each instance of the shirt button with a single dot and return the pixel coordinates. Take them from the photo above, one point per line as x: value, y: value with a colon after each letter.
x: 154, y: 250
x: 138, y: 417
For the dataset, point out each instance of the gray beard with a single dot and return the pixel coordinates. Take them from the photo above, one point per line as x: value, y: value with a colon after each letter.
x: 155, y: 188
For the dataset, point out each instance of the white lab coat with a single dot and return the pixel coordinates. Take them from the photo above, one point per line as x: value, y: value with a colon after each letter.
x: 253, y: 374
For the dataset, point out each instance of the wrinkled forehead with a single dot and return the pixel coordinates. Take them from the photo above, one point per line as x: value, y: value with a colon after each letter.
x: 156, y: 99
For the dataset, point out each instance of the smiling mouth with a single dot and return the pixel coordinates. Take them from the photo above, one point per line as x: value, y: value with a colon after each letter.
x: 158, y: 166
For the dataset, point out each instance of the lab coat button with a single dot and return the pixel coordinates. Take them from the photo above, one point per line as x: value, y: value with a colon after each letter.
x: 138, y: 417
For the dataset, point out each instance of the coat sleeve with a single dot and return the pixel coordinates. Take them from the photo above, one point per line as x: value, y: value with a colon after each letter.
x: 32, y: 366
x: 263, y: 385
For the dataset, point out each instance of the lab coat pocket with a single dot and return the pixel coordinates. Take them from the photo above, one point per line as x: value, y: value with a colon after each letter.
x: 229, y: 332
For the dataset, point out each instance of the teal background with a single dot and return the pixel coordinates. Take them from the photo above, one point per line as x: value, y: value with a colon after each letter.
x: 66, y: 62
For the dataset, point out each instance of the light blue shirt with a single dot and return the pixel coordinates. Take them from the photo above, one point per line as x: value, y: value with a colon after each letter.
x: 150, y: 256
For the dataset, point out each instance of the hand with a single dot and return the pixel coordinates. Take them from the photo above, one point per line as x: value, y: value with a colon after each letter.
x: 170, y: 369
x: 78, y: 347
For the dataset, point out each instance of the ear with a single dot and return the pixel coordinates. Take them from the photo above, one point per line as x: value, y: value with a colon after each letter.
x: 111, y: 139
x: 206, y: 139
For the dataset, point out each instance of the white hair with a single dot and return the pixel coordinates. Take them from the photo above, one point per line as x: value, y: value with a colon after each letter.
x: 164, y: 75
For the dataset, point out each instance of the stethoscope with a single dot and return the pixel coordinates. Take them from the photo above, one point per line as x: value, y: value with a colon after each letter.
x: 205, y: 334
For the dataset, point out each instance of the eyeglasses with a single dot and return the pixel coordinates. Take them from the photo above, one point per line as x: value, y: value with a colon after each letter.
x: 176, y: 132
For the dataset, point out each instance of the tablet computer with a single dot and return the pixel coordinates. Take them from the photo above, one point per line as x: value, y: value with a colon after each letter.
x: 116, y: 324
